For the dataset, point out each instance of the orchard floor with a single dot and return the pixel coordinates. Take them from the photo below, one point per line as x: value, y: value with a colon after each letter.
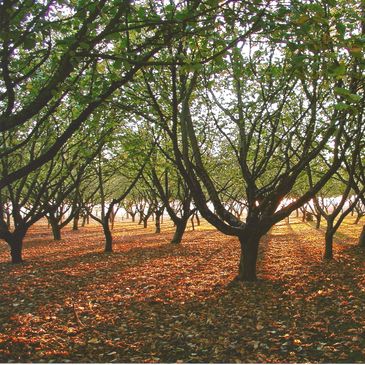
x: 150, y: 301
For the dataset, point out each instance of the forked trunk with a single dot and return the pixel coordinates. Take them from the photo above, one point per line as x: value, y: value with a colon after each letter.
x: 248, y: 259
x: 362, y: 238
x: 133, y: 217
x: 108, y: 237
x: 179, y: 231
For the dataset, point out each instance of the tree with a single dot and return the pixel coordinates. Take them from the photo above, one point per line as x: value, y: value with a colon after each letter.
x: 278, y: 114
x: 120, y: 155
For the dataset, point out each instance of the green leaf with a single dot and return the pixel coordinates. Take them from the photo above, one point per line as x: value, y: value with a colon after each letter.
x: 342, y: 106
x: 341, y: 91
x: 339, y: 70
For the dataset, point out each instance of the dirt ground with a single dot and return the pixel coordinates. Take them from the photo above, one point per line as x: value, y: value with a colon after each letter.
x: 150, y: 301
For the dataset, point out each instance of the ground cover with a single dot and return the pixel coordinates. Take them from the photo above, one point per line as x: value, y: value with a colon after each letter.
x: 150, y: 301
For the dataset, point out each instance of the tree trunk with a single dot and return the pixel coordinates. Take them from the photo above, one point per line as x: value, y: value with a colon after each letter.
x: 358, y: 217
x: 318, y: 221
x: 362, y: 238
x: 197, y: 219
x: 328, y: 251
x: 75, y: 225
x: 16, y: 247
x: 8, y: 218
x: 112, y: 220
x: 309, y: 217
x: 158, y: 222
x: 55, y: 228
x: 297, y: 213
x: 133, y: 217
x: 145, y: 222
x: 248, y: 259
x: 108, y: 237
x: 192, y: 222
x: 179, y: 231
x: 56, y: 232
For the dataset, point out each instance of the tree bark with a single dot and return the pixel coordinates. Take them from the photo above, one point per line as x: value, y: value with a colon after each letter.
x: 197, y: 219
x: 179, y: 231
x: 133, y: 217
x: 358, y: 217
x: 248, y: 259
x: 108, y: 237
x: 15, y: 242
x: 318, y: 221
x: 362, y: 238
x: 8, y: 218
x: 55, y: 228
x: 112, y: 219
x: 75, y: 225
x: 158, y: 222
x: 328, y: 252
x: 145, y: 222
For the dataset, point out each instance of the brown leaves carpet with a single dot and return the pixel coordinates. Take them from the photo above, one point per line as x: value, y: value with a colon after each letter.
x: 150, y: 301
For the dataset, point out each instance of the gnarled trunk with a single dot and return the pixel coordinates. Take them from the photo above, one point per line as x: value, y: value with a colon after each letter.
x: 248, y: 259
x: 179, y: 231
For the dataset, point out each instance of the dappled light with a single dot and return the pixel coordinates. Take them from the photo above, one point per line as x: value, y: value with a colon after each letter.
x: 155, y: 302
